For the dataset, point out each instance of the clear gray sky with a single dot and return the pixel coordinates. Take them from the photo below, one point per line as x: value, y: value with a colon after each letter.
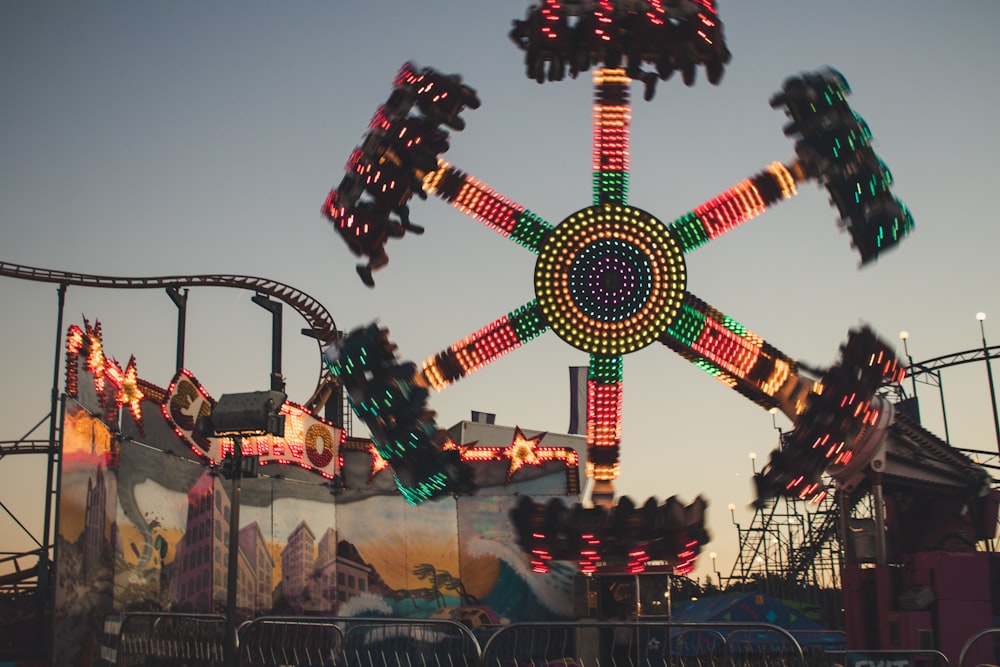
x: 161, y: 138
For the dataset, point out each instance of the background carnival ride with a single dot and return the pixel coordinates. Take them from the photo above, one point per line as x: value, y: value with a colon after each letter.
x: 610, y: 279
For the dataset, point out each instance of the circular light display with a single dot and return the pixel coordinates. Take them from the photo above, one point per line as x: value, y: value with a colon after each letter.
x: 609, y: 279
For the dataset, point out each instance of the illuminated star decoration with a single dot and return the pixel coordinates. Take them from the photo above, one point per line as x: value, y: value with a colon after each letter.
x: 378, y: 463
x: 522, y: 451
x: 124, y: 384
x: 95, y: 357
x: 74, y: 343
x: 116, y: 377
x: 130, y: 393
x: 465, y: 451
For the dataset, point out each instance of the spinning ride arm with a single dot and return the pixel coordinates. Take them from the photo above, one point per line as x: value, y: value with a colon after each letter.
x: 737, y: 357
x: 742, y: 202
x: 840, y: 424
x: 482, y: 203
x: 484, y: 346
x: 604, y: 424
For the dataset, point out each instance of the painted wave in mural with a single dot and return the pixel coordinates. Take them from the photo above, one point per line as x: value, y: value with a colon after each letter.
x: 517, y: 588
x: 366, y: 605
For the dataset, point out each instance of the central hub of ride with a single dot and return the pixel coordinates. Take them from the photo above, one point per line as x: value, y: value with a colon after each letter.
x: 609, y: 279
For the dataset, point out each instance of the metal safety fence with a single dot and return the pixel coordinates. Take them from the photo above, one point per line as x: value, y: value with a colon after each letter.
x: 360, y: 642
x: 981, y: 649
x: 147, y: 639
x: 890, y: 658
x: 153, y: 639
x: 644, y: 643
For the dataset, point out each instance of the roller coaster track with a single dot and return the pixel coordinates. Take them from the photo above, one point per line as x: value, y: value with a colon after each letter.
x: 955, y: 359
x: 16, y: 578
x: 321, y: 324
x: 23, y: 447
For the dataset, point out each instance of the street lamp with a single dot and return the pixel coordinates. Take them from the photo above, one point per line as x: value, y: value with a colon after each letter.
x: 753, y: 462
x: 981, y: 316
x: 904, y: 336
x: 238, y: 416
x: 715, y: 568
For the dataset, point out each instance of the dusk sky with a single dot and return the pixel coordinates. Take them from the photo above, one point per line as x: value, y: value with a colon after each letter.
x: 174, y: 138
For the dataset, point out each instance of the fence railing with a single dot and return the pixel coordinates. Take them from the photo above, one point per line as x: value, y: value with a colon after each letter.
x: 279, y: 640
x: 890, y: 658
x: 641, y: 643
x: 154, y: 639
x: 149, y: 639
x: 365, y: 642
x: 977, y: 652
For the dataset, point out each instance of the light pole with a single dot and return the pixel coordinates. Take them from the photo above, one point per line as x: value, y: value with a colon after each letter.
x: 904, y: 336
x: 238, y: 416
x: 981, y: 316
x: 774, y: 423
x: 232, y: 572
x: 741, y: 540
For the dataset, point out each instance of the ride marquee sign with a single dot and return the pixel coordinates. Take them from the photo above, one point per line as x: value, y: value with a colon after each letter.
x: 309, y: 442
x: 104, y: 388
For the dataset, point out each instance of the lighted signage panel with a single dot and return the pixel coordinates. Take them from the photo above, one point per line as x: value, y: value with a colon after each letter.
x: 309, y: 442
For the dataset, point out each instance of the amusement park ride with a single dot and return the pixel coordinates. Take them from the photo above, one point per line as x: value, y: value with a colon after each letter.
x: 610, y: 280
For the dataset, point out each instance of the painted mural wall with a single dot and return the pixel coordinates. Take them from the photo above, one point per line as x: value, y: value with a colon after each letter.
x: 85, y: 535
x: 144, y: 516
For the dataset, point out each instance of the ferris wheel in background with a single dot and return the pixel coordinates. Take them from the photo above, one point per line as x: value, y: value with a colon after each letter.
x: 610, y: 279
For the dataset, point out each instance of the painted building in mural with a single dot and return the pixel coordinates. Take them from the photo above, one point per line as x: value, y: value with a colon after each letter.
x: 95, y: 545
x: 260, y: 579
x: 297, y: 559
x: 144, y: 515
